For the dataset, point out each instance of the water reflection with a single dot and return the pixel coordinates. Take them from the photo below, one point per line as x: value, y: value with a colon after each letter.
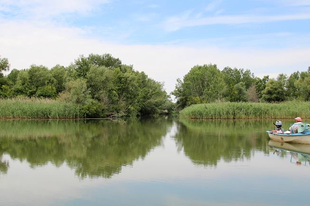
x: 299, y: 153
x: 207, y: 142
x: 92, y: 149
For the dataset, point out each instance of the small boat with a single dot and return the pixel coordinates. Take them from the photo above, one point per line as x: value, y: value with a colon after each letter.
x: 302, y: 137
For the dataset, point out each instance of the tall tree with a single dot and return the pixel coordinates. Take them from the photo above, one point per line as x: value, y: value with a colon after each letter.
x: 201, y: 85
x: 274, y: 91
x: 260, y: 85
x: 233, y: 79
x: 4, y: 65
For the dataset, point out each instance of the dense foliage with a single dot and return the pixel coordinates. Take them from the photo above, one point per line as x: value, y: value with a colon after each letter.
x: 99, y: 86
x: 207, y: 84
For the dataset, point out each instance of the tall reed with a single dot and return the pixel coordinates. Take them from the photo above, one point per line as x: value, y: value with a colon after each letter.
x: 25, y: 108
x: 242, y: 110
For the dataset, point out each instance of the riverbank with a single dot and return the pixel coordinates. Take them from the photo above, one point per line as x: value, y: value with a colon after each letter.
x: 34, y: 108
x: 244, y: 110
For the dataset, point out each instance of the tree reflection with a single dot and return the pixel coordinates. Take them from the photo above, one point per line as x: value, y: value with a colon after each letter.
x: 4, y: 166
x: 92, y: 149
x: 207, y: 142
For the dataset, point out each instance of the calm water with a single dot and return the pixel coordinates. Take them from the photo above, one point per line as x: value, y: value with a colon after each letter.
x: 155, y: 162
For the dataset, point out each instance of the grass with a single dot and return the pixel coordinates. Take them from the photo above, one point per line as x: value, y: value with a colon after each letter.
x: 243, y: 110
x: 25, y: 108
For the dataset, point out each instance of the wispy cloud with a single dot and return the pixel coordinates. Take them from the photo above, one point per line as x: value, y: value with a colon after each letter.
x: 295, y: 2
x: 154, y: 6
x: 213, y: 5
x: 48, y: 8
x: 176, y: 23
x: 25, y: 43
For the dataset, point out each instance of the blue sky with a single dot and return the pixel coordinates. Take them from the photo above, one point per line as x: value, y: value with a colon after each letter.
x: 163, y: 38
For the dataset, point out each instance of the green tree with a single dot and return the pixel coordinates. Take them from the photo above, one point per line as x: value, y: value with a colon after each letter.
x: 47, y: 91
x: 152, y: 98
x: 303, y: 86
x: 274, y: 91
x: 82, y: 66
x: 235, y: 81
x: 201, y: 85
x: 77, y: 91
x: 291, y: 85
x: 22, y: 86
x: 4, y: 65
x: 105, y: 60
x: 12, y: 76
x: 39, y: 76
x: 260, y: 85
x: 59, y: 74
x: 239, y: 93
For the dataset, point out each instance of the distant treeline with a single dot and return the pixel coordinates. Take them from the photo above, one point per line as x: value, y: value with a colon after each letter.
x: 96, y: 86
x: 207, y: 84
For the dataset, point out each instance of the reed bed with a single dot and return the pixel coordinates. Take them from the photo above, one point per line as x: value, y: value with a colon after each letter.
x: 25, y: 108
x: 243, y: 110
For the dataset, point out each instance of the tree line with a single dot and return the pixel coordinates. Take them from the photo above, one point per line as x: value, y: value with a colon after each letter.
x: 103, y: 86
x: 207, y: 84
x: 100, y: 84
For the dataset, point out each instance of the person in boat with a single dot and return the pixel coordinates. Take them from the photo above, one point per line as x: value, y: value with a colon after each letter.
x: 278, y: 126
x: 294, y: 127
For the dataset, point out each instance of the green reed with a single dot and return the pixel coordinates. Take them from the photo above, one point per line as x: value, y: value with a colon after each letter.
x: 25, y: 108
x: 243, y: 110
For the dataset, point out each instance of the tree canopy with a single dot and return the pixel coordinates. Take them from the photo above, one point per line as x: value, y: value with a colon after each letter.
x: 206, y: 84
x: 100, y: 84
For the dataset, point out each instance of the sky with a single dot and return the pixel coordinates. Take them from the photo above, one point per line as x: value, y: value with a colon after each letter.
x: 165, y: 39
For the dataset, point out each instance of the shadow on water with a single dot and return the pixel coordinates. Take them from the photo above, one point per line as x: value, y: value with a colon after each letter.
x: 92, y: 148
x: 206, y: 142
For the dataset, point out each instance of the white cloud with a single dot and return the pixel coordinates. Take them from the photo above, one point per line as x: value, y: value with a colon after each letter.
x: 182, y: 21
x: 153, y: 6
x: 26, y: 43
x: 296, y: 2
x: 49, y: 8
x: 213, y: 5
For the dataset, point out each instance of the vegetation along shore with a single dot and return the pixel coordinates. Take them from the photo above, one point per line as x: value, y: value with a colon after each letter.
x: 246, y: 110
x: 97, y: 86
x: 101, y: 86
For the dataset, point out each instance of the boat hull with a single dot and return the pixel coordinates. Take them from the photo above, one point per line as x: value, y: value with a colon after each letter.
x: 291, y: 138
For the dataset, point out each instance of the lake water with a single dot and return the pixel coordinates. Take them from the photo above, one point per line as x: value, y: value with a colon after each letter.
x: 150, y: 162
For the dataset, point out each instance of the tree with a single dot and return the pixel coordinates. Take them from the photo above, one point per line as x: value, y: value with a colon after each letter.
x: 201, y: 85
x: 260, y: 85
x: 59, y: 74
x: 4, y: 65
x: 77, y: 91
x: 274, y: 91
x: 239, y: 93
x: 39, y: 76
x: 291, y: 85
x: 12, y: 77
x: 104, y: 60
x: 252, y: 95
x: 233, y: 79
x: 152, y: 97
x: 303, y: 86
x: 22, y: 86
x: 47, y: 91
